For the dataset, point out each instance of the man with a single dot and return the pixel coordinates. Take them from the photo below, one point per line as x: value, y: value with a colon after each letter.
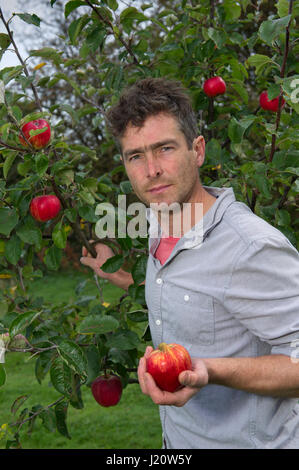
x: 227, y: 290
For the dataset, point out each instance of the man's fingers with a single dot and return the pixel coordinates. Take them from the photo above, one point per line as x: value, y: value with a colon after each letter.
x: 88, y: 261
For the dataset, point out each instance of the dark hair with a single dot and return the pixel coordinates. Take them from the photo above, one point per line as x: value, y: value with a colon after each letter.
x: 148, y: 97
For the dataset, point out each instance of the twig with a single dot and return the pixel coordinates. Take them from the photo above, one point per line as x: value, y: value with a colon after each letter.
x: 19, y: 149
x: 37, y: 413
x: 286, y: 191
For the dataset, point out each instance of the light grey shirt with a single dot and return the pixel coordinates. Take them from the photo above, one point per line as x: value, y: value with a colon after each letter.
x: 230, y: 288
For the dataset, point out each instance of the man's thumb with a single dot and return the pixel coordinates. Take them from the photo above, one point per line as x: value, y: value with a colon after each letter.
x: 87, y: 261
x: 188, y: 378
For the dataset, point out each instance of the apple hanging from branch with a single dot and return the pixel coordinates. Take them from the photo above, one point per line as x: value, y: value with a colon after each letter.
x: 214, y: 86
x: 270, y: 105
x: 43, y: 208
x: 166, y: 363
x: 107, y: 389
x: 37, y: 132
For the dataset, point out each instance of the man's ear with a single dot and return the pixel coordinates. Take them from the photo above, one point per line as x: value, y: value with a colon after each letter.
x: 199, y: 147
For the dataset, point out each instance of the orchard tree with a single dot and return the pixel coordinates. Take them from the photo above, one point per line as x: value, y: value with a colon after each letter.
x: 251, y: 146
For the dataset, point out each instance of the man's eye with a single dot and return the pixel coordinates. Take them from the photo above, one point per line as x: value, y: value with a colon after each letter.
x: 165, y: 149
x: 134, y: 157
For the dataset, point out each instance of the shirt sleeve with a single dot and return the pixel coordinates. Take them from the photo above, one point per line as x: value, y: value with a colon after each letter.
x: 263, y: 292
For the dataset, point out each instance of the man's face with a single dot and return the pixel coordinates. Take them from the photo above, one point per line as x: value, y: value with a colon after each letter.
x: 158, y: 163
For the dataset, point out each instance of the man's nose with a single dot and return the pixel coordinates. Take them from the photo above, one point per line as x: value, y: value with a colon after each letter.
x: 153, y: 167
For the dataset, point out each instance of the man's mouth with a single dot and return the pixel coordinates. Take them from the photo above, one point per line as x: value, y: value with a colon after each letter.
x: 159, y: 189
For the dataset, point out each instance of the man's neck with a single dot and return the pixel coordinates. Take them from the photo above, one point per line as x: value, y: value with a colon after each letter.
x: 176, y: 224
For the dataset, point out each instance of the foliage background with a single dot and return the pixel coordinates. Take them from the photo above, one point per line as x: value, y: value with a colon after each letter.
x: 101, y: 47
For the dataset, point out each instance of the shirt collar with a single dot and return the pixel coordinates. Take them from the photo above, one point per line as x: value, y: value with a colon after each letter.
x: 194, y: 237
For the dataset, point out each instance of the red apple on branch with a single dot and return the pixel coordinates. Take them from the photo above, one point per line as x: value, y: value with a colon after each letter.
x: 214, y: 86
x: 107, y: 389
x: 43, y: 208
x: 40, y: 140
x: 166, y: 363
x: 270, y: 105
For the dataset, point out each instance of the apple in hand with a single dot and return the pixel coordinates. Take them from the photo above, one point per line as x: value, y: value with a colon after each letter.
x: 38, y: 141
x: 166, y: 363
x: 214, y: 86
x: 43, y: 208
x: 107, y: 389
x: 270, y: 105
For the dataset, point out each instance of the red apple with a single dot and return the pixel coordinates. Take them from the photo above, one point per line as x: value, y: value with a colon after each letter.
x: 166, y: 363
x: 107, y: 389
x: 38, y: 141
x: 270, y: 105
x: 214, y: 86
x: 43, y: 208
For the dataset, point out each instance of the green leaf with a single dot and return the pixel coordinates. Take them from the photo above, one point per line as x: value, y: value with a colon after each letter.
x: 139, y: 269
x: 123, y: 340
x: 53, y: 256
x: 112, y: 4
x: 41, y: 164
x: 8, y: 220
x: 2, y: 375
x: 8, y: 163
x: 138, y: 316
x: 61, y: 376
x: 13, y: 249
x: 76, y: 27
x: 59, y: 235
x: 21, y: 322
x: 99, y: 324
x: 70, y: 110
x: 237, y: 128
x: 269, y: 30
x: 93, y: 363
x: 4, y: 41
x: 74, y: 357
x: 18, y: 403
x: 72, y: 5
x: 218, y: 37
x: 61, y: 416
x: 232, y: 10
x: 113, y: 264
x: 47, y: 53
x: 259, y: 61
x: 30, y: 19
x: 29, y: 233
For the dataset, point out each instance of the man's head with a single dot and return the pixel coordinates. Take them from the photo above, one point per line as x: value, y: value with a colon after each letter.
x: 149, y: 97
x: 157, y: 132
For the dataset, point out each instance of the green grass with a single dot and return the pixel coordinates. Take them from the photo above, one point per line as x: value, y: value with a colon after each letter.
x: 133, y: 424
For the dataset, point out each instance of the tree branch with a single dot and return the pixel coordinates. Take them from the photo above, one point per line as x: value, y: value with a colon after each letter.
x: 282, y: 74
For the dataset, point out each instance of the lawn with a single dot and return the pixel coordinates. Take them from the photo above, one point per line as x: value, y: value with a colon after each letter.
x: 133, y: 424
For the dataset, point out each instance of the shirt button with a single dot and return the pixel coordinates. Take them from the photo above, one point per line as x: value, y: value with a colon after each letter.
x: 159, y: 280
x: 158, y: 322
x: 186, y: 298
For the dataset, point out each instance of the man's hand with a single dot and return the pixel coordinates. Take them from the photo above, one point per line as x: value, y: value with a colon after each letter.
x: 120, y: 278
x: 192, y: 381
x: 104, y: 252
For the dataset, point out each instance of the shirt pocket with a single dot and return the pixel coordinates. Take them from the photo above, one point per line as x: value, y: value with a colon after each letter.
x: 195, y: 316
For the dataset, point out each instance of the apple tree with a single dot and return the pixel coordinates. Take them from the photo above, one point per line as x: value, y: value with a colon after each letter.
x: 251, y: 146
